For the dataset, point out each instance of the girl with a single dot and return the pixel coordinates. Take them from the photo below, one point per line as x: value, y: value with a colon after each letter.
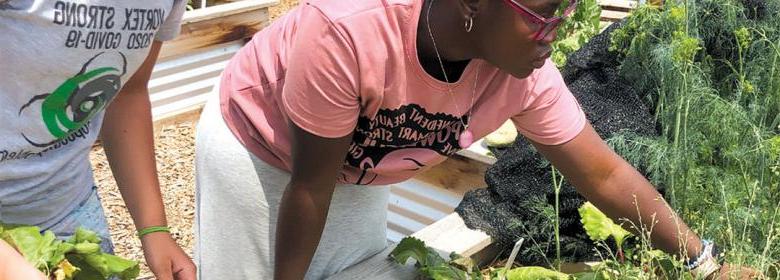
x: 330, y: 104
x: 73, y: 70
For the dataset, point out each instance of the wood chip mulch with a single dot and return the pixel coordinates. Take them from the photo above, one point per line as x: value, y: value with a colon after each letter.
x: 282, y: 8
x: 175, y: 149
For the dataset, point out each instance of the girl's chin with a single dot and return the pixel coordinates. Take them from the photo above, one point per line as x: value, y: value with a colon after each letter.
x: 522, y: 73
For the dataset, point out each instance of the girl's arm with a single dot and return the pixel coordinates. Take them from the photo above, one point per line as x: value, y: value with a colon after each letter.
x: 621, y: 192
x: 304, y: 206
x: 13, y: 266
x: 129, y: 144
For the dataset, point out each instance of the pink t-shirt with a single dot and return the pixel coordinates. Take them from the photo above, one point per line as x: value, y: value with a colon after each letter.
x: 334, y: 67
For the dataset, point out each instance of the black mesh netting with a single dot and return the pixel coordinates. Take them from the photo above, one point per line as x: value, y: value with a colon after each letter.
x: 520, y: 195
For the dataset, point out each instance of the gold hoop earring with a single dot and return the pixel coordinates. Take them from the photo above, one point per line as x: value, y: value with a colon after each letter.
x: 469, y: 24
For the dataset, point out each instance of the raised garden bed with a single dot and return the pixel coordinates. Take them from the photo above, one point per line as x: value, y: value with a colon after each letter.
x: 706, y: 134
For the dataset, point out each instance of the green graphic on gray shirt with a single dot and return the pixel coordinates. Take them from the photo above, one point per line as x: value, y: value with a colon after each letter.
x: 77, y: 100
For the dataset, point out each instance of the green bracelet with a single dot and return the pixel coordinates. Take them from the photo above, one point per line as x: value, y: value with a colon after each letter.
x: 149, y: 230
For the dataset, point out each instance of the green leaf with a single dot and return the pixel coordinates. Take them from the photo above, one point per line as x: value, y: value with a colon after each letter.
x: 574, y: 32
x: 83, y: 235
x: 410, y: 247
x: 59, y: 254
x: 79, y: 258
x: 431, y: 264
x: 598, y: 226
x: 464, y: 263
x: 39, y: 250
x: 123, y: 268
x: 443, y: 272
x: 101, y: 266
x: 535, y: 273
x: 86, y: 248
x: 592, y: 275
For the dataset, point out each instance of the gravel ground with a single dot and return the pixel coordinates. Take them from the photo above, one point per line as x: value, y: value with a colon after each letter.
x: 175, y: 149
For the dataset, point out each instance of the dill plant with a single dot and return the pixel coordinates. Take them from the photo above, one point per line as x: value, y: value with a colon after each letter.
x: 710, y: 70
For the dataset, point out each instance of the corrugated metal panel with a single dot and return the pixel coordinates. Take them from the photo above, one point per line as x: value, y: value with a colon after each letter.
x: 414, y: 205
x: 182, y: 82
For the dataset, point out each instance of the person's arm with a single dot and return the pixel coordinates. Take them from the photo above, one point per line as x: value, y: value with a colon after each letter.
x: 127, y: 137
x: 621, y: 192
x: 13, y: 265
x: 304, y: 206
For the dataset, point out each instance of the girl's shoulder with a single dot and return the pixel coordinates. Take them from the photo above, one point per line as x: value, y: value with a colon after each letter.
x: 340, y: 10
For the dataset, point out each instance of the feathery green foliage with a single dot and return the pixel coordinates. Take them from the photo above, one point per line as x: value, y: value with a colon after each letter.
x: 710, y: 69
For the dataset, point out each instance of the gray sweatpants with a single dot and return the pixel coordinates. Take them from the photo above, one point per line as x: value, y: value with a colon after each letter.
x: 238, y: 199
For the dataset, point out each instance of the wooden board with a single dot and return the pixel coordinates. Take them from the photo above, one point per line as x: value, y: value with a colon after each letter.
x: 615, y: 10
x: 451, y: 235
x: 447, y: 235
x: 378, y: 267
x: 219, y: 24
x: 457, y: 174
x: 618, y: 5
x: 613, y: 16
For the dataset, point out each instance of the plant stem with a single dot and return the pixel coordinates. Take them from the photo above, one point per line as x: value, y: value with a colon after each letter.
x: 557, y: 188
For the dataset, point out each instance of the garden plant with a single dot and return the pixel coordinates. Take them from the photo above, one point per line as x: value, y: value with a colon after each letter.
x: 689, y: 93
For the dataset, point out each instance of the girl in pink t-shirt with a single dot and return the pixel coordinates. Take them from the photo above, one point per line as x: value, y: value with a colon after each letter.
x: 339, y: 95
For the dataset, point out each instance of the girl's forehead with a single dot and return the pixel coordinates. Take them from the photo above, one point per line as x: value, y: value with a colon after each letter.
x: 542, y: 6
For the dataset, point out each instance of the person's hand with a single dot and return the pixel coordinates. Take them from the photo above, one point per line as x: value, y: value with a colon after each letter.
x: 14, y: 266
x: 729, y: 272
x: 166, y: 259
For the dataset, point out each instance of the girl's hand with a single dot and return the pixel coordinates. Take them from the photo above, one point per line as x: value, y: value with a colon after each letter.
x: 13, y: 266
x: 166, y: 259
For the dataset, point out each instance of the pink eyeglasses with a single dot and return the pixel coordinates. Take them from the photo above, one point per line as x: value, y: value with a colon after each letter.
x: 547, y: 25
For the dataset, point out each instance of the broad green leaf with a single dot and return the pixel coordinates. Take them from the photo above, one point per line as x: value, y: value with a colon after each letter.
x: 410, y: 247
x: 86, y: 248
x: 123, y: 268
x: 431, y: 264
x: 443, y: 272
x: 101, y: 266
x: 83, y: 235
x: 592, y: 275
x: 599, y: 227
x: 79, y: 258
x: 535, y: 273
x: 58, y: 256
x: 37, y: 249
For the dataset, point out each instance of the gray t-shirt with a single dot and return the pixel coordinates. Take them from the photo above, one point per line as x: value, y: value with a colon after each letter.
x: 61, y: 63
